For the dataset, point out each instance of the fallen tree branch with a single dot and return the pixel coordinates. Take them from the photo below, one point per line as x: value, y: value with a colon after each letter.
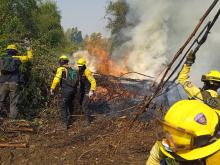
x: 20, y: 129
x: 15, y: 145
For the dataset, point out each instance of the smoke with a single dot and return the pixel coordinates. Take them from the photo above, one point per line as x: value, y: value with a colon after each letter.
x: 91, y: 61
x: 160, y: 28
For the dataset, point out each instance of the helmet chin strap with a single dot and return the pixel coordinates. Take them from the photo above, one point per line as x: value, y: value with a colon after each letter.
x: 166, y: 146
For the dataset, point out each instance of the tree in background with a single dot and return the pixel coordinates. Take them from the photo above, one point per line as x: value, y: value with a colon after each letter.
x: 74, y: 35
x: 116, y: 15
x: 48, y: 21
x: 37, y: 24
x: 16, y: 20
x: 74, y: 39
x: 96, y: 41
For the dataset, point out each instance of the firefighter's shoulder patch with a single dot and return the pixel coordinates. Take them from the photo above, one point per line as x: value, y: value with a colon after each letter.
x: 188, y: 84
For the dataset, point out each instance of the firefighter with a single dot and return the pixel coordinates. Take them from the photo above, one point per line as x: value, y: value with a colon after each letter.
x: 10, y: 78
x: 189, y: 134
x: 87, y: 88
x: 67, y: 78
x: 208, y: 94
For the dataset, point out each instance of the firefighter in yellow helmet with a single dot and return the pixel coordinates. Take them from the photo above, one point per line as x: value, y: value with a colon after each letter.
x: 10, y: 77
x: 208, y: 94
x: 67, y: 78
x: 190, y: 134
x: 87, y: 88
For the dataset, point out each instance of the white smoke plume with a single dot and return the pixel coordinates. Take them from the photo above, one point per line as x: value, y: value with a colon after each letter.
x: 162, y: 26
x: 91, y: 61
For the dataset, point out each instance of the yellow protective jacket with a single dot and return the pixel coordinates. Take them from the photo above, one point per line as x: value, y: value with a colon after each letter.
x: 156, y: 156
x: 90, y: 78
x: 192, y: 91
x: 57, y: 77
x: 15, y: 77
x: 25, y: 58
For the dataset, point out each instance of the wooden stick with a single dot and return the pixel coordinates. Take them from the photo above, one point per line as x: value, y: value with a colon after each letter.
x: 21, y: 129
x: 83, y: 115
x: 16, y: 145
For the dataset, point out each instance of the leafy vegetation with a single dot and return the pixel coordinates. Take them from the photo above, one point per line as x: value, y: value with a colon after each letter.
x: 116, y: 12
x: 37, y: 24
x: 29, y: 23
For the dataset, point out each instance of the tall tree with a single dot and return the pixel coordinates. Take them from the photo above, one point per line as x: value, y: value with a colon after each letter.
x: 16, y: 19
x: 48, y: 21
x: 116, y: 15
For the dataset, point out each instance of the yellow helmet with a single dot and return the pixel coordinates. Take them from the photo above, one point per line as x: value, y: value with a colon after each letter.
x: 63, y: 57
x: 81, y: 62
x: 190, y: 130
x: 213, y: 75
x: 12, y: 46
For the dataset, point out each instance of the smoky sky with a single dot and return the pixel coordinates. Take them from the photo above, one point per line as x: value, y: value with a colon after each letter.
x: 160, y: 28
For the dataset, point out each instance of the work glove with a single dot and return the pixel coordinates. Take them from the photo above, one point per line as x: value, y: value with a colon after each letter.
x: 91, y: 94
x: 51, y: 92
x: 190, y: 59
x: 28, y: 48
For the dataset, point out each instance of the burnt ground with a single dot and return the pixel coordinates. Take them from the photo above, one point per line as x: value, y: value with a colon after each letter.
x: 108, y: 140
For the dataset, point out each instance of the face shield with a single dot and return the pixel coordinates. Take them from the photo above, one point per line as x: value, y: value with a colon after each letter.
x: 175, y: 138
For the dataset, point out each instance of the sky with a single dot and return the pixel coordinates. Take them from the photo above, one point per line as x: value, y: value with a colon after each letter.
x: 87, y: 15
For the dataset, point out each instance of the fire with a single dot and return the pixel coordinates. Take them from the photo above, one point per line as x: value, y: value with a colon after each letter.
x: 105, y: 65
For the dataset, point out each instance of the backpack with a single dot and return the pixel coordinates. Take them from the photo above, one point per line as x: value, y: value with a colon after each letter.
x: 9, y: 64
x: 70, y: 77
x: 213, y: 102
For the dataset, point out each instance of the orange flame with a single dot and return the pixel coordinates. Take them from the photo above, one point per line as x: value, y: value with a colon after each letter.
x: 105, y: 64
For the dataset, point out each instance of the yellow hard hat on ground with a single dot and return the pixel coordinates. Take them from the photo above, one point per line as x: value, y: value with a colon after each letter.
x: 190, y: 131
x: 12, y: 47
x: 63, y: 57
x: 81, y: 62
x: 213, y: 75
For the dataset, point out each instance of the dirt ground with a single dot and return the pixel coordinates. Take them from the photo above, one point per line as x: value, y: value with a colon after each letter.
x: 105, y: 141
x: 110, y: 139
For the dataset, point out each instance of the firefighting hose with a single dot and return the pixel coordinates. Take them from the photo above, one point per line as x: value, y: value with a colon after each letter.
x: 160, y: 86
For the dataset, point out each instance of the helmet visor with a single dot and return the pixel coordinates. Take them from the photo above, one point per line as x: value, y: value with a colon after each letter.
x: 175, y: 138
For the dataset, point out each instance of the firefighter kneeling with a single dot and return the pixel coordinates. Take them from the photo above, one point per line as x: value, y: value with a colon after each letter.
x: 190, y: 135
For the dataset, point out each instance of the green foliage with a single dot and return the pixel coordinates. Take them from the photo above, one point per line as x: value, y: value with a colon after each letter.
x: 16, y: 19
x: 116, y: 16
x: 32, y: 23
x: 74, y: 35
x: 74, y: 40
x: 47, y: 19
x: 96, y: 41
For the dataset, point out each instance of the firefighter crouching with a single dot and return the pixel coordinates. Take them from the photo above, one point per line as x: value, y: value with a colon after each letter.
x: 190, y: 135
x: 10, y: 78
x: 87, y: 88
x: 67, y: 78
x: 208, y: 94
